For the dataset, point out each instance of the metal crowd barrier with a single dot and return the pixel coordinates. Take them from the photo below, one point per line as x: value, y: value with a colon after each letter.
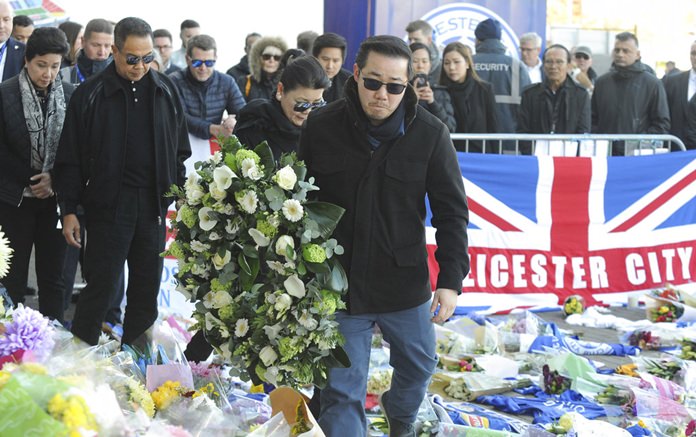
x: 568, y: 144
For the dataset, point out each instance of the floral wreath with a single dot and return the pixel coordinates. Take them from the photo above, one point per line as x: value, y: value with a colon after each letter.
x: 257, y: 257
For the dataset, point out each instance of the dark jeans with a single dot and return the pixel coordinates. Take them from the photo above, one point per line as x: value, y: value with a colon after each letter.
x: 135, y: 235
x: 34, y: 224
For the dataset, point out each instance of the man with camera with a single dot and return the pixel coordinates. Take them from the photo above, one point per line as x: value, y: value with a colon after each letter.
x: 432, y: 97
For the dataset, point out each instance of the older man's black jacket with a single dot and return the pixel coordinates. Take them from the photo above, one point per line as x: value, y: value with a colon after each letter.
x: 91, y: 156
x: 566, y: 112
x: 383, y: 192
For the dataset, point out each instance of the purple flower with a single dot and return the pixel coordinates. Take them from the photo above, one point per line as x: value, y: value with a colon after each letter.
x: 29, y: 330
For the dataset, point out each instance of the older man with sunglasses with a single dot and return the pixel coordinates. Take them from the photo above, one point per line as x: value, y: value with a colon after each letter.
x: 205, y: 93
x: 123, y: 145
x: 378, y: 154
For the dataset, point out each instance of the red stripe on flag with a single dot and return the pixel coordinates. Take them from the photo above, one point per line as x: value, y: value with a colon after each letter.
x: 490, y: 217
x: 570, y: 204
x: 657, y: 203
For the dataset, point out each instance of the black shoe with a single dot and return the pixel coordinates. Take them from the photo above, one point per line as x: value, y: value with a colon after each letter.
x: 396, y: 427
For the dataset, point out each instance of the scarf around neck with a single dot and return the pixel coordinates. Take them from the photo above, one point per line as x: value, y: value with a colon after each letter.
x: 44, y: 128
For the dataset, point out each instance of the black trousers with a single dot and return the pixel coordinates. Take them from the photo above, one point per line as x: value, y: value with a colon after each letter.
x: 34, y: 224
x: 73, y: 255
x: 134, y: 235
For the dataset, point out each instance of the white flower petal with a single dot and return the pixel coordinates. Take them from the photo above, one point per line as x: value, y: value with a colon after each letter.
x: 259, y: 238
x: 294, y: 286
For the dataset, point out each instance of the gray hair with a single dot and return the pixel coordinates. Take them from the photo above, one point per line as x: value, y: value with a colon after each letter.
x: 532, y: 37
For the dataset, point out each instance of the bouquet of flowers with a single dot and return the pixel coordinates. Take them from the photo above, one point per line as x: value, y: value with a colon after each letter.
x: 258, y: 258
x: 688, y: 349
x: 665, y: 312
x: 554, y: 383
x: 573, y: 305
x: 22, y: 330
x: 644, y: 340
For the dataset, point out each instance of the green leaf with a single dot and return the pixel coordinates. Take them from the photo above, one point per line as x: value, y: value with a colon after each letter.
x: 300, y: 171
x: 301, y: 269
x: 250, y: 251
x: 327, y: 216
x: 244, y: 264
x: 266, y: 154
x: 247, y: 278
x: 318, y: 267
x: 339, y: 280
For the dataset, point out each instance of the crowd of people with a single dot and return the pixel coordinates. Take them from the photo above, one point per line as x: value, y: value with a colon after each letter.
x: 95, y: 125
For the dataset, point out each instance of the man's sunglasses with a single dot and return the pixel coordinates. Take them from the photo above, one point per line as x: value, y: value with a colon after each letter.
x: 210, y: 63
x: 302, y: 107
x: 135, y: 60
x: 392, y: 87
x: 267, y: 57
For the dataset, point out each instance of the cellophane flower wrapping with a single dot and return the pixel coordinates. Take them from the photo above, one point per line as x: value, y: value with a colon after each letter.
x: 257, y: 258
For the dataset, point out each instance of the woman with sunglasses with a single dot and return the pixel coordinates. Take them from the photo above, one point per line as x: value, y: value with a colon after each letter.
x: 264, y: 64
x: 278, y: 120
x: 473, y: 99
x: 32, y: 111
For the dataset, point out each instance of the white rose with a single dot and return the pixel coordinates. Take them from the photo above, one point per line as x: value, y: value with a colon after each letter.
x: 221, y: 299
x: 204, y: 220
x: 295, y: 287
x: 286, y: 178
x: 283, y: 302
x: 259, y: 238
x: 255, y: 174
x: 214, y: 236
x: 223, y: 176
x: 217, y: 193
x: 221, y: 261
x: 268, y: 356
x: 285, y: 246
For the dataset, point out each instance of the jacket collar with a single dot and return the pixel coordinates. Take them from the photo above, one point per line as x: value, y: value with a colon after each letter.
x: 111, y: 81
x: 357, y: 114
x: 490, y: 46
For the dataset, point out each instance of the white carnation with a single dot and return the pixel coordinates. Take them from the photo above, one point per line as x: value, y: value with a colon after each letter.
x: 197, y: 246
x: 241, y: 328
x: 249, y: 202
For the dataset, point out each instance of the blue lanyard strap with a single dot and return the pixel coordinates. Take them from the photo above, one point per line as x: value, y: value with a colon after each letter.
x: 79, y: 73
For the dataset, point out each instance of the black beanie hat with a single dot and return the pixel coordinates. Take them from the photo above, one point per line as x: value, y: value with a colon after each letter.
x: 488, y: 29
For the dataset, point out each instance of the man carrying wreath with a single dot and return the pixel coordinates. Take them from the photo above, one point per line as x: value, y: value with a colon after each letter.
x: 377, y: 154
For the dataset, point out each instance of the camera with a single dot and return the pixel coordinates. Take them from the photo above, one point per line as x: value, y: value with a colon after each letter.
x: 420, y: 80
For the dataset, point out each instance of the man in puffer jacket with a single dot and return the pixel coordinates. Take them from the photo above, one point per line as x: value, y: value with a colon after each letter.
x: 206, y: 93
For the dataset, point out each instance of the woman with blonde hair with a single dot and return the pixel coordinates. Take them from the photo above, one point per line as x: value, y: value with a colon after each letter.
x: 473, y: 99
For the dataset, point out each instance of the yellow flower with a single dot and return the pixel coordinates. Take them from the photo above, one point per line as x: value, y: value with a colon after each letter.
x: 256, y: 389
x: 166, y: 394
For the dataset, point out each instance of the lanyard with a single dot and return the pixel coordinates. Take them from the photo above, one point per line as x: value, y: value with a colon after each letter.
x: 79, y: 73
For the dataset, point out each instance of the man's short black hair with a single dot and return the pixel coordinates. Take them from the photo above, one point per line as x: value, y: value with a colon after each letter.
x: 387, y: 45
x: 305, y: 40
x: 189, y: 24
x: 329, y: 40
x: 98, y: 25
x: 130, y: 26
x: 46, y: 40
x: 162, y: 33
x: 556, y: 46
x: 625, y: 36
x: 22, y: 21
x: 202, y: 42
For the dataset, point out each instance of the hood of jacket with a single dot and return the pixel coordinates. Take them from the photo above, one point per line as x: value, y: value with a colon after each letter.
x: 491, y: 46
x: 255, y: 61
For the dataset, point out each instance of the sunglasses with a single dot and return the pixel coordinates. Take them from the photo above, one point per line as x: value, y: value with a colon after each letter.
x: 135, y: 60
x: 392, y: 87
x: 304, y: 106
x: 210, y: 63
x: 581, y: 56
x: 267, y: 57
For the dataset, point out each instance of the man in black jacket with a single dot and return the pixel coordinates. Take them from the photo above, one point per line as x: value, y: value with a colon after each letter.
x: 558, y: 104
x: 376, y: 153
x: 123, y: 145
x: 242, y: 68
x: 95, y: 53
x: 628, y: 99
x: 330, y: 50
x: 680, y: 88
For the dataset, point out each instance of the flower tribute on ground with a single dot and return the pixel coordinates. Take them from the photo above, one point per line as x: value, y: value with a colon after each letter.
x: 258, y: 258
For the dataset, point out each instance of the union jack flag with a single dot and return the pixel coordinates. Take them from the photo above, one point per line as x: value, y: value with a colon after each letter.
x: 582, y: 226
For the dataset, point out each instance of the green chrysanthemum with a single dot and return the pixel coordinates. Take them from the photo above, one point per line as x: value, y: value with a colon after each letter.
x: 176, y: 250
x: 226, y: 313
x: 187, y: 216
x: 313, y: 253
x: 266, y: 228
x: 243, y: 154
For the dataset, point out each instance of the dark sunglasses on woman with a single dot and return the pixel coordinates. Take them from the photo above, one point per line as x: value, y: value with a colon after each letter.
x: 303, y: 106
x: 267, y: 57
